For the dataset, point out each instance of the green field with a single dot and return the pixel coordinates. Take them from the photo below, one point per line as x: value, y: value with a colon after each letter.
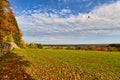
x: 70, y: 64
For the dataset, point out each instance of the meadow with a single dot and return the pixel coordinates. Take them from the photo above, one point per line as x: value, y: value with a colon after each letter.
x: 48, y: 64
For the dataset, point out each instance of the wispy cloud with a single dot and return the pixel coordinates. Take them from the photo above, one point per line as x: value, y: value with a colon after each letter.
x: 51, y: 27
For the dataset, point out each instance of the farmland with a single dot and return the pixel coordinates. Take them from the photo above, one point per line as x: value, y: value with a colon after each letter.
x: 70, y: 64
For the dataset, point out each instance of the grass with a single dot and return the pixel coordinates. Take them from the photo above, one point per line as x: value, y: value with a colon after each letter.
x: 71, y: 64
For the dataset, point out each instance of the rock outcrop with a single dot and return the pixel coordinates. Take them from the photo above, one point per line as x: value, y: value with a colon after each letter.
x: 7, y: 48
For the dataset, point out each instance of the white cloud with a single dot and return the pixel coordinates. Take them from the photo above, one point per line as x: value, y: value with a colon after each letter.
x: 50, y: 27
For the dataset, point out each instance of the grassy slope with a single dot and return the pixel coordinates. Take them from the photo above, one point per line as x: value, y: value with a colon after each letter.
x: 72, y: 65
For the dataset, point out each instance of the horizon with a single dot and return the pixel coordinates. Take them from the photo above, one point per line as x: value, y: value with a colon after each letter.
x: 68, y: 21
x: 79, y: 44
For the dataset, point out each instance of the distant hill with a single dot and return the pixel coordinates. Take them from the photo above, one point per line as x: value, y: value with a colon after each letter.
x: 9, y: 30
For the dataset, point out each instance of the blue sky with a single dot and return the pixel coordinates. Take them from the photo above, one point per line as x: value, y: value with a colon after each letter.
x: 68, y: 21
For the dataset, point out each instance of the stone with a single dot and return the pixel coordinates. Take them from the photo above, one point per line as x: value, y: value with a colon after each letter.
x: 7, y: 47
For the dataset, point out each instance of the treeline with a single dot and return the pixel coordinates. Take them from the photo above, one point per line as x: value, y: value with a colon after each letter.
x: 111, y: 47
x: 93, y: 48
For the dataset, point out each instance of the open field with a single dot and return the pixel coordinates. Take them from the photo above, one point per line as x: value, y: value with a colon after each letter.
x: 70, y: 64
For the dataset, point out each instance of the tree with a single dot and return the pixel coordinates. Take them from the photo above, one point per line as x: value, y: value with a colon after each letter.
x: 8, y: 23
x: 40, y: 46
x: 32, y: 45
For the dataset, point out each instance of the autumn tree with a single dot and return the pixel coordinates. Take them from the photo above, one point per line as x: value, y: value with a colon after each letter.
x: 8, y: 24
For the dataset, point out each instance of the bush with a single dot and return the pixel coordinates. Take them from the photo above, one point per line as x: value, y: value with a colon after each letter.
x: 35, y: 45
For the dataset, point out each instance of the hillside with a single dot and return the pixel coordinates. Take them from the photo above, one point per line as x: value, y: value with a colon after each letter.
x: 9, y: 30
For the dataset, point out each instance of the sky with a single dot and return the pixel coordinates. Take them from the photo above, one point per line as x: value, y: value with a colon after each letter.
x: 68, y: 21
